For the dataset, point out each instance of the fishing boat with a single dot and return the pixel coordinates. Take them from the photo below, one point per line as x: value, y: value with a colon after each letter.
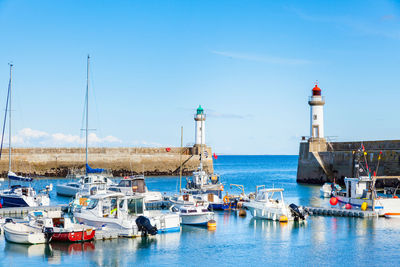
x: 25, y: 234
x: 18, y: 195
x: 136, y: 185
x: 265, y: 206
x: 93, y: 178
x: 362, y: 191
x: 64, y: 230
x: 125, y: 214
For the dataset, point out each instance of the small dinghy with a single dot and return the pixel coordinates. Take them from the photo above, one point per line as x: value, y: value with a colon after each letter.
x: 328, y: 189
x: 25, y: 234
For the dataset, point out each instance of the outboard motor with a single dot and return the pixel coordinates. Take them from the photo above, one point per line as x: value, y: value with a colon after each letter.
x: 145, y: 226
x: 296, y: 212
x: 9, y: 220
x: 48, y: 233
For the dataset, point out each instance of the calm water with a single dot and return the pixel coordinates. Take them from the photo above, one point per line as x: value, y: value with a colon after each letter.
x: 328, y: 241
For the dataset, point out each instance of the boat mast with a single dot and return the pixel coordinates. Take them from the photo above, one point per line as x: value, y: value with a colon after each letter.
x: 9, y: 122
x: 87, y: 109
x: 180, y: 161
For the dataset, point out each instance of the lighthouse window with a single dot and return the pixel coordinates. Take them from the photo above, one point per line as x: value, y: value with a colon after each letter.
x: 315, y: 116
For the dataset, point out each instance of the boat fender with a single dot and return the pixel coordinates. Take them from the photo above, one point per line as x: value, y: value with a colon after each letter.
x: 144, y: 225
x: 226, y: 199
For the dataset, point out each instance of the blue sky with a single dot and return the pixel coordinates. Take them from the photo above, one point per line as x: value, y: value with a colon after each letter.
x: 250, y: 64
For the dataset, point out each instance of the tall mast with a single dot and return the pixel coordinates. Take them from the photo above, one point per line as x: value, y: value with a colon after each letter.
x: 9, y: 122
x: 87, y: 107
x: 180, y: 162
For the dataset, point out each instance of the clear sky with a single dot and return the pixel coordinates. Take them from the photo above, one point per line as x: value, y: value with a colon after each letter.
x: 250, y: 64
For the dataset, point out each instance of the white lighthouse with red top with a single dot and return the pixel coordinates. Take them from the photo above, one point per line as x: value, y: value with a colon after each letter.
x: 316, y: 102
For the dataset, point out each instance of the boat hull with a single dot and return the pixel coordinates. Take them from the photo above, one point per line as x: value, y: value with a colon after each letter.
x: 271, y: 213
x: 196, y: 219
x: 20, y: 234
x: 74, y: 236
x: 66, y: 191
x: 13, y: 202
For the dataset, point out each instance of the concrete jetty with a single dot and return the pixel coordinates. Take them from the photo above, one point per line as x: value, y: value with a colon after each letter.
x: 122, y: 161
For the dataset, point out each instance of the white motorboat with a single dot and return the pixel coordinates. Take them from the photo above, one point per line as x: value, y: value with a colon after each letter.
x: 25, y: 234
x: 265, y: 206
x: 136, y: 185
x: 193, y: 214
x: 87, y: 184
x: 125, y: 214
x: 327, y: 189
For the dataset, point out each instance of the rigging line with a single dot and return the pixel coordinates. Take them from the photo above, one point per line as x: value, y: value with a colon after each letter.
x: 5, y: 118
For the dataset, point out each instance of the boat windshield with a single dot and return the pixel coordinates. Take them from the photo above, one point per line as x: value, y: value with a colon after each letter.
x: 125, y: 183
x: 135, y: 206
x: 92, y: 204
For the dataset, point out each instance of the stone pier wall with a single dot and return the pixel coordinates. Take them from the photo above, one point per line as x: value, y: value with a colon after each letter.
x: 56, y: 162
x: 337, y: 159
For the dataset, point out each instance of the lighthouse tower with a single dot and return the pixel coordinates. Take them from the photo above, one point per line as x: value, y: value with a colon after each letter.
x: 316, y: 102
x: 200, y: 128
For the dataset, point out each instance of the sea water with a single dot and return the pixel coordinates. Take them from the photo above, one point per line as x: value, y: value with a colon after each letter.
x: 321, y: 241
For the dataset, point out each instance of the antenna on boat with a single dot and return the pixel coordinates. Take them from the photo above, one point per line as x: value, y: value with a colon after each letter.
x: 87, y: 109
x: 180, y: 162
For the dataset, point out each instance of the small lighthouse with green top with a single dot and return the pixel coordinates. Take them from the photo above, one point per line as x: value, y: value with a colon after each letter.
x: 200, y: 128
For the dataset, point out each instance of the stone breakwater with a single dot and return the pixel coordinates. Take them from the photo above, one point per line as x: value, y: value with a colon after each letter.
x: 321, y: 161
x: 57, y: 162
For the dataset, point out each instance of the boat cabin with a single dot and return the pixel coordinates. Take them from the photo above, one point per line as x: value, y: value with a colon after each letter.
x: 267, y: 195
x: 21, y: 190
x: 357, y: 187
x: 116, y: 205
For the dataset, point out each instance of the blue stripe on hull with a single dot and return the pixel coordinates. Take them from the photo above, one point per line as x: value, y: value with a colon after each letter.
x: 221, y: 206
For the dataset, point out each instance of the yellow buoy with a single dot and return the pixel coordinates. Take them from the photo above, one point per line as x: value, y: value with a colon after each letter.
x: 242, y: 213
x: 364, y: 206
x: 283, y: 218
x: 212, y: 225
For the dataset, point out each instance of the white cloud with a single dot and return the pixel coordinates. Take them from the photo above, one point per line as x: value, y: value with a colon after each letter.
x: 29, y: 137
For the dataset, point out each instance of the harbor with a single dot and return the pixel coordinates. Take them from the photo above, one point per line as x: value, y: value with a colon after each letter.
x: 243, y: 235
x: 199, y: 133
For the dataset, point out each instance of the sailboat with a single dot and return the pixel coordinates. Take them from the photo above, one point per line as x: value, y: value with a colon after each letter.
x: 18, y: 195
x: 92, y: 182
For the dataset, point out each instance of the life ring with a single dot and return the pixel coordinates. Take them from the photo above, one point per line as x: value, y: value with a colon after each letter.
x: 226, y: 200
